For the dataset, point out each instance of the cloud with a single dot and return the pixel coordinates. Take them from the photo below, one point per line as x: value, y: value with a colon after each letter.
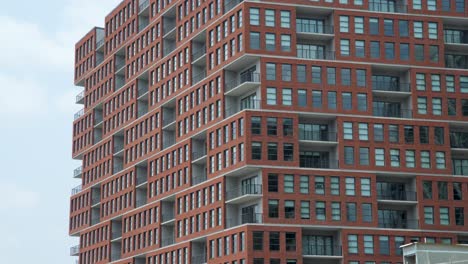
x: 15, y: 197
x: 21, y: 96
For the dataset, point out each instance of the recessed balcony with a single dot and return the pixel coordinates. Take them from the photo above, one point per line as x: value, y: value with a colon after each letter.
x: 388, y: 6
x: 199, y: 259
x: 391, y: 88
x: 316, y: 138
x: 250, y: 218
x: 396, y: 197
x: 394, y: 112
x: 314, y: 52
x: 459, y: 142
x: 78, y: 172
x: 313, y: 29
x: 313, y: 251
x: 243, y: 194
x: 230, y: 4
x: 398, y: 223
x: 199, y: 56
x: 244, y: 84
x: 317, y: 160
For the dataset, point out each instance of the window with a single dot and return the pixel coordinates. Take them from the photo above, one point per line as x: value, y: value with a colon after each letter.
x: 425, y: 160
x: 432, y: 28
x: 422, y: 105
x: 319, y: 185
x: 352, y: 244
x: 359, y: 25
x: 403, y: 28
x: 256, y: 150
x: 272, y: 183
x: 270, y: 41
x: 256, y: 125
x: 434, y: 53
x: 395, y: 158
x: 317, y: 99
x: 394, y: 133
x: 399, y: 241
x: 366, y: 212
x: 350, y: 190
x: 344, y: 24
x: 271, y: 71
x: 286, y: 72
x: 427, y: 189
x: 378, y: 132
x: 361, y: 78
x: 301, y: 73
x: 419, y: 52
x: 336, y: 211
x: 360, y: 48
x: 271, y: 96
x: 274, y: 241
x: 331, y: 98
x: 257, y: 237
x: 320, y: 211
x: 410, y: 159
x: 287, y: 96
x: 272, y: 126
x: 254, y: 16
x: 254, y: 40
x: 417, y: 5
x: 457, y: 191
x: 429, y: 215
x: 379, y: 157
x: 423, y: 134
x: 431, y: 5
x: 344, y: 47
x: 272, y: 151
x: 289, y: 209
x: 404, y: 51
x: 388, y: 27
x: 286, y: 43
x: 290, y: 241
x: 452, y: 106
x: 420, y: 81
x: 459, y: 216
x: 347, y: 101
x: 365, y: 187
x: 440, y: 160
x: 363, y: 131
x: 384, y: 246
x: 364, y: 156
x: 349, y: 155
x: 304, y: 184
x: 345, y: 76
x: 288, y: 152
x: 435, y: 82
x: 418, y: 29
x: 389, y: 50
x: 375, y: 49
x: 305, y: 210
x: 316, y: 74
x: 347, y: 130
x: 450, y: 83
x: 409, y: 134
x: 368, y: 244
x: 288, y: 183
x: 443, y: 191
x: 444, y: 215
x: 351, y: 212
x: 285, y: 19
x: 270, y: 18
x: 374, y: 26
x: 335, y: 186
x: 287, y: 127
x: 273, y: 208
x: 331, y: 76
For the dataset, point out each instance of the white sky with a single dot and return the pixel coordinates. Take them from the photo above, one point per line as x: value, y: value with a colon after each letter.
x: 36, y: 114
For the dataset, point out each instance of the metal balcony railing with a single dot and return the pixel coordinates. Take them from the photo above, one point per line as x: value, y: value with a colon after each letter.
x: 311, y: 162
x: 77, y: 189
x: 78, y: 171
x: 249, y: 104
x: 388, y: 112
x: 397, y: 195
x: 387, y: 6
x: 143, y: 5
x: 199, y: 53
x: 306, y: 53
x: 200, y: 259
x: 80, y: 97
x: 168, y: 216
x: 228, y: 5
x: 79, y: 114
x: 398, y: 223
x: 244, y: 78
x: 458, y: 139
x: 251, y: 189
x: 390, y: 86
x: 321, y: 250
x: 310, y: 26
x: 75, y: 250
x: 317, y: 135
x: 198, y: 154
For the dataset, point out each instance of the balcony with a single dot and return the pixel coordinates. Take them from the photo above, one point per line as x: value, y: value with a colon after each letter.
x: 167, y: 241
x: 116, y: 234
x: 460, y: 166
x: 401, y: 196
x: 79, y: 114
x: 199, y: 259
x: 387, y: 87
x: 392, y: 112
x: 95, y: 200
x: 199, y: 156
x: 398, y: 223
x: 242, y: 85
x: 244, y: 194
x: 308, y: 53
x: 230, y: 4
x: 75, y: 250
x: 198, y: 77
x: 80, y: 98
x: 457, y: 61
x: 311, y: 29
x: 317, y: 138
x: 318, y: 251
x: 78, y: 172
x: 246, y: 105
x: 77, y: 189
x: 455, y: 40
x: 144, y: 4
x: 317, y: 163
x: 118, y: 147
x: 459, y: 142
x: 388, y: 6
x: 167, y: 218
x: 199, y: 56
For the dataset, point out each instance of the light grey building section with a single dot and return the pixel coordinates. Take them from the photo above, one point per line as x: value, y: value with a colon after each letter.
x: 422, y: 253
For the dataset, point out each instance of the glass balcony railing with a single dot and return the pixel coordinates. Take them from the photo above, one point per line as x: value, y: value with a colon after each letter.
x: 306, y: 53
x: 392, y: 112
x: 317, y: 135
x: 459, y: 140
x: 228, y: 5
x: 244, y: 78
x: 398, y: 223
x: 397, y: 195
x: 321, y: 250
x: 78, y: 171
x: 199, y: 53
x: 198, y: 154
x: 199, y: 259
x: 318, y: 163
x: 390, y: 86
x: 79, y: 114
x: 387, y: 6
x: 77, y: 189
x: 80, y: 97
x: 251, y: 189
x: 455, y: 36
x: 311, y: 26
x: 143, y: 5
x: 168, y: 216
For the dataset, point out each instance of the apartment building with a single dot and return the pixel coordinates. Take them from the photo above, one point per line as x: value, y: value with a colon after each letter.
x: 271, y: 132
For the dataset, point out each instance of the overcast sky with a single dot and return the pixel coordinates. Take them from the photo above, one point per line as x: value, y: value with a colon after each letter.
x: 37, y: 98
